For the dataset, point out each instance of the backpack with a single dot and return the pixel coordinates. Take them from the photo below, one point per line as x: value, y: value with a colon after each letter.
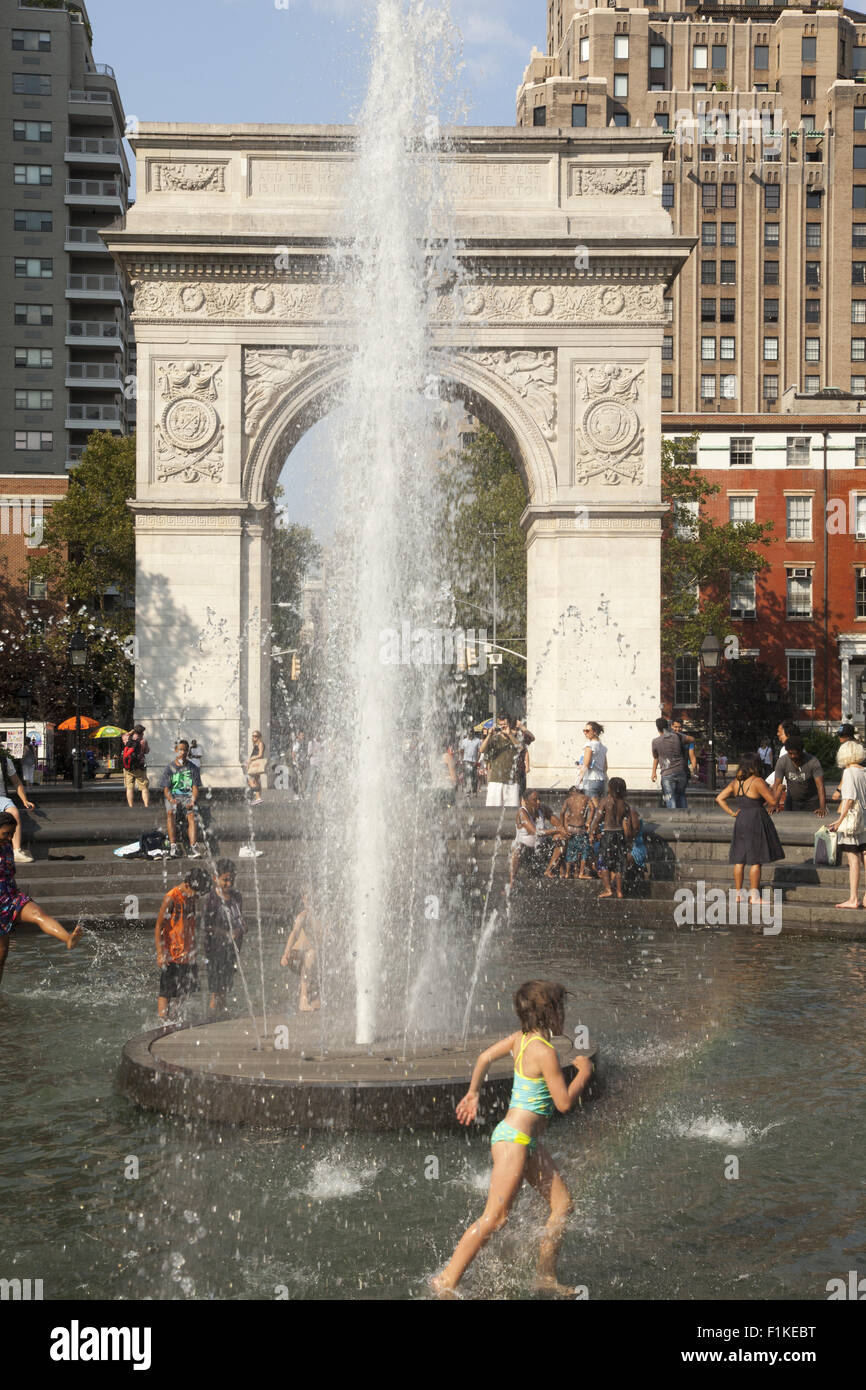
x: 131, y: 756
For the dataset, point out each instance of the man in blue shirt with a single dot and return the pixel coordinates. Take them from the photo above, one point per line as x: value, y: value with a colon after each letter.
x: 180, y: 783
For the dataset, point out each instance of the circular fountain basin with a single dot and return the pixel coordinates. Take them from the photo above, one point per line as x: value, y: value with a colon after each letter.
x: 229, y: 1073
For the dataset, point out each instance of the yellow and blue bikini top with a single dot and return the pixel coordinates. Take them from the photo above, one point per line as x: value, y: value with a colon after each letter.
x: 531, y: 1092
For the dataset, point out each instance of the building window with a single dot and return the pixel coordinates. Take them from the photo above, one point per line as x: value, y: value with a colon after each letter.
x: 811, y: 384
x: 708, y: 349
x: 858, y: 195
x: 798, y: 450
x: 34, y: 400
x: 729, y: 195
x: 34, y: 315
x: 860, y: 118
x: 860, y: 593
x: 37, y: 588
x: 807, y: 89
x: 728, y: 274
x: 813, y: 231
x: 708, y: 272
x: 34, y: 267
x: 771, y: 311
x: 708, y: 310
x: 31, y: 41
x: 727, y: 349
x: 800, y: 681
x: 708, y: 196
x: 771, y: 349
x: 813, y: 272
x: 686, y: 520
x: 578, y: 113
x: 813, y: 350
x: 26, y: 84
x: 860, y: 516
x: 33, y: 174
x: 620, y: 46
x: 669, y: 309
x: 742, y: 596
x: 699, y: 56
x: 667, y: 195
x: 858, y: 310
x: 858, y: 385
x: 667, y: 384
x: 620, y: 84
x: 727, y: 311
x: 741, y: 510
x: 657, y: 55
x: 708, y: 234
x: 798, y: 518
x: 762, y: 56
x: 708, y: 154
x: 813, y: 311
x: 858, y: 272
x: 858, y: 349
x: 34, y: 357
x: 687, y: 692
x: 729, y: 389
x: 771, y: 272
x: 772, y: 197
x: 708, y: 388
x: 26, y: 221
x: 808, y: 47
x: 740, y: 455
x: 583, y: 51
x: 799, y: 593
x: 729, y: 233
x: 539, y: 115
x: 771, y: 388
x: 719, y: 56
x: 860, y: 156
x: 771, y: 234
x: 34, y: 441
x: 860, y: 451
x: 667, y: 349
x: 858, y: 234
x: 813, y: 198
x: 34, y: 131
x: 620, y: 118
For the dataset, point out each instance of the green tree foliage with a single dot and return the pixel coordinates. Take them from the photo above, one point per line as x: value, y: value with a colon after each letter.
x: 698, y: 551
x: 88, y: 561
x: 482, y: 491
x: 295, y: 553
x: 749, y: 702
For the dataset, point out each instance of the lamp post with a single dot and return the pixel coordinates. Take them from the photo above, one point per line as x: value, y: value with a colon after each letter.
x: 711, y: 656
x: 24, y: 703
x: 495, y: 700
x: 78, y: 658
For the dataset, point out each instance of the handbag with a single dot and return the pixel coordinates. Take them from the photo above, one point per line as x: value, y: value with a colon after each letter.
x: 256, y: 766
x: 852, y: 825
x: 826, y: 842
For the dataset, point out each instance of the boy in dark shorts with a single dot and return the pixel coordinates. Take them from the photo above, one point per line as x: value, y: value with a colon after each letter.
x: 175, y: 942
x: 224, y: 930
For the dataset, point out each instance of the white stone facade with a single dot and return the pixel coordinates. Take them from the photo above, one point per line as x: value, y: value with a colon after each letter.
x: 553, y: 338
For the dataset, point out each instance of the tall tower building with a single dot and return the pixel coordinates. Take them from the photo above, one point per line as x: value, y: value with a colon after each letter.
x: 64, y: 308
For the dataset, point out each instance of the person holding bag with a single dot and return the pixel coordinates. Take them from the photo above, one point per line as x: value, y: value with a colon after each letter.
x: 851, y: 825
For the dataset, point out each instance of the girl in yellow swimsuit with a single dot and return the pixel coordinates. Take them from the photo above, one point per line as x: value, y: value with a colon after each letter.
x: 539, y: 1089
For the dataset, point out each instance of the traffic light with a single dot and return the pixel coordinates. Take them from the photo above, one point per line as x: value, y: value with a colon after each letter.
x: 296, y: 667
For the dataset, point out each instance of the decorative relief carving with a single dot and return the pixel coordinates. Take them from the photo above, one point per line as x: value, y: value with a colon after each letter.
x: 182, y: 176
x: 532, y: 375
x: 268, y: 372
x: 605, y: 180
x: 149, y: 521
x: 608, y: 435
x: 189, y: 435
x: 290, y: 302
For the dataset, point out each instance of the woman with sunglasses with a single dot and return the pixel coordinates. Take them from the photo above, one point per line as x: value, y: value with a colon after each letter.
x: 592, y: 766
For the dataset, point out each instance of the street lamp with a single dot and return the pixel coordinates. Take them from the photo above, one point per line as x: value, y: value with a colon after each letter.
x: 711, y: 658
x: 24, y: 704
x: 78, y: 658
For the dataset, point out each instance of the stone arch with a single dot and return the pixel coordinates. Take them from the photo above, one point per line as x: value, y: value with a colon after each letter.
x: 279, y: 410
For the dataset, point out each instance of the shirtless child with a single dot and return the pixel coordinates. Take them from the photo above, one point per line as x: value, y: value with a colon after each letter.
x: 575, y: 844
x: 301, y: 955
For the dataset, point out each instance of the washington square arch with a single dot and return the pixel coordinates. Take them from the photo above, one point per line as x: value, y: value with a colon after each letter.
x: 552, y: 337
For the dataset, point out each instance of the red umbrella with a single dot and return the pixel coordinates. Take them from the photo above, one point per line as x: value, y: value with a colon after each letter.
x: 68, y: 725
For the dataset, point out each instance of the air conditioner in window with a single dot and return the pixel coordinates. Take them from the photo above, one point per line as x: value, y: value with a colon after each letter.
x: 800, y: 574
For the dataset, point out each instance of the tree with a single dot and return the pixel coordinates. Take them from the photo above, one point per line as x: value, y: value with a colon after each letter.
x: 294, y: 553
x: 698, y: 552
x: 88, y: 562
x: 482, y: 490
x: 749, y: 702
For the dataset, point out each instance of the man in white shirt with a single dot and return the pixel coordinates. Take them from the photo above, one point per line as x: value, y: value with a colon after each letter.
x: 470, y: 747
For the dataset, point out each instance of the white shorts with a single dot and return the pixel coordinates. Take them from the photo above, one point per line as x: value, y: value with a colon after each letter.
x: 503, y: 794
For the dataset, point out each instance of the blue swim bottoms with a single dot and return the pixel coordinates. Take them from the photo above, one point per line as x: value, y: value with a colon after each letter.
x: 507, y: 1134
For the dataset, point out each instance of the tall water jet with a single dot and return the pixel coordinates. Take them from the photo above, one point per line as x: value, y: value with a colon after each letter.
x: 384, y: 685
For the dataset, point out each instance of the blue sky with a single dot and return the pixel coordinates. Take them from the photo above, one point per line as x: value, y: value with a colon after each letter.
x: 245, y: 60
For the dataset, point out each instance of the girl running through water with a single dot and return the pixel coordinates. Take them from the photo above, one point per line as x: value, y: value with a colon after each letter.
x: 16, y: 907
x: 539, y: 1089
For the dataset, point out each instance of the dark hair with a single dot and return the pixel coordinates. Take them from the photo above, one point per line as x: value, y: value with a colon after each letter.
x: 197, y: 879
x: 225, y: 866
x: 617, y: 788
x: 789, y: 727
x: 539, y: 1005
x: 750, y: 765
x: 138, y: 728
x: 599, y: 728
x: 6, y: 818
x: 795, y: 745
x: 661, y: 725
x: 182, y: 743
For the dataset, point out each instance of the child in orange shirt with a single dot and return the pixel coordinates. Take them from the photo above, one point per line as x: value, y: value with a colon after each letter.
x: 175, y: 942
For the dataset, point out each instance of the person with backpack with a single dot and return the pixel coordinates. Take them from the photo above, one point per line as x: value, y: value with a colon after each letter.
x: 132, y: 760
x: 669, y: 754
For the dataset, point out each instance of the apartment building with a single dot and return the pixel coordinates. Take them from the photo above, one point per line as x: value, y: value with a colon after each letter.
x: 67, y: 354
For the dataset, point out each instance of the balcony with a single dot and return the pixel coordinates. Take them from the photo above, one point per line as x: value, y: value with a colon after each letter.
x: 85, y: 149
x: 93, y: 417
x: 97, y: 332
x: 85, y: 239
x: 101, y: 376
x: 98, y: 98
x: 95, y: 193
x: 73, y: 455
x: 104, y: 70
x: 103, y: 288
